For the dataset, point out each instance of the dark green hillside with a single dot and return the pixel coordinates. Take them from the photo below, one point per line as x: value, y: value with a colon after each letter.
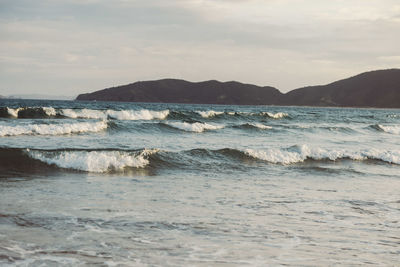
x: 370, y: 89
x: 180, y: 91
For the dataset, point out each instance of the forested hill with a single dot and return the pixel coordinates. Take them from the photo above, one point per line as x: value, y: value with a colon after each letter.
x: 370, y: 89
x: 180, y: 91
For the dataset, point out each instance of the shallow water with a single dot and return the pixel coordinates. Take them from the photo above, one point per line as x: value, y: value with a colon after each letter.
x: 168, y: 184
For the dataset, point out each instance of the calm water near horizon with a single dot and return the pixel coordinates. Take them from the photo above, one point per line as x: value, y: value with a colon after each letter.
x: 138, y: 184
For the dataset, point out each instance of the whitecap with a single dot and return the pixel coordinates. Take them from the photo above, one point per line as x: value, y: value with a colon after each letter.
x: 197, y: 127
x: 275, y: 155
x: 209, y: 113
x: 303, y: 152
x: 393, y: 116
x: 83, y: 113
x: 260, y: 126
x: 52, y: 129
x: 94, y: 161
x: 278, y: 115
x: 13, y: 112
x: 50, y: 111
x: 389, y: 129
x: 143, y: 114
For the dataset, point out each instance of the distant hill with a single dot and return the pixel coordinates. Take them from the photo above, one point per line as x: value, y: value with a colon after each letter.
x: 379, y: 88
x: 180, y: 91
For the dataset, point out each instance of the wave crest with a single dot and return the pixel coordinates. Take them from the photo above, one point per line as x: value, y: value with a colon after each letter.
x: 259, y: 126
x: 83, y: 113
x: 13, y: 112
x: 197, y: 127
x: 28, y: 112
x: 93, y: 161
x: 387, y: 129
x: 252, y: 126
x: 212, y: 113
x: 278, y: 115
x: 301, y: 153
x: 209, y: 113
x: 14, y: 160
x: 52, y: 129
x: 45, y: 112
x: 143, y: 114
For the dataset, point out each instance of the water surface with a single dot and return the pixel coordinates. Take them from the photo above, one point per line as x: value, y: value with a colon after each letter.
x: 167, y: 184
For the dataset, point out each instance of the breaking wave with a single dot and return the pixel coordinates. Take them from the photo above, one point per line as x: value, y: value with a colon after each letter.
x: 83, y: 113
x: 301, y: 153
x: 197, y: 127
x: 102, y: 161
x: 253, y: 126
x: 278, y: 115
x: 49, y: 112
x: 387, y: 129
x: 93, y: 161
x: 212, y: 113
x: 12, y: 112
x: 143, y: 114
x: 28, y: 112
x: 319, y: 127
x: 52, y: 129
x: 209, y: 113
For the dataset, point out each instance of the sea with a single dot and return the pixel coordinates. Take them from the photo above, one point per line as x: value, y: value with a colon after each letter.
x: 148, y: 184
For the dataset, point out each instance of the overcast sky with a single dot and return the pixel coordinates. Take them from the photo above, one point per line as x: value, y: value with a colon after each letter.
x: 69, y: 47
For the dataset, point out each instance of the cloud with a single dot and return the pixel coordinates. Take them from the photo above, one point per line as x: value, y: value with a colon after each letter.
x: 86, y: 45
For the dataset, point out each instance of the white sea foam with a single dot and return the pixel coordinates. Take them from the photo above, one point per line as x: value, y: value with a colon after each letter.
x: 278, y: 115
x: 28, y: 256
x: 260, y: 126
x: 393, y: 116
x: 94, y: 161
x: 390, y: 129
x: 301, y: 153
x: 47, y: 260
x: 13, y: 112
x: 83, y: 113
x: 275, y: 155
x: 52, y: 129
x: 387, y: 156
x: 50, y: 111
x: 209, y: 113
x: 197, y: 127
x: 143, y: 114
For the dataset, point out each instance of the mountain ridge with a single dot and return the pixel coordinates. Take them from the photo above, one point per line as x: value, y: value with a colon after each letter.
x: 379, y: 88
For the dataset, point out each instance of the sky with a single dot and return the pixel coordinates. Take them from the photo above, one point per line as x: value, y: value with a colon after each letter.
x: 68, y: 47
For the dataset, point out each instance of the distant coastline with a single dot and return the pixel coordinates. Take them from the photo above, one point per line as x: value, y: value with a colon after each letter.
x: 38, y: 97
x: 380, y: 88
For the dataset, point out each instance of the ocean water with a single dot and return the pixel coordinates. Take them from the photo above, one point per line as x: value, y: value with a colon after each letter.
x: 132, y: 184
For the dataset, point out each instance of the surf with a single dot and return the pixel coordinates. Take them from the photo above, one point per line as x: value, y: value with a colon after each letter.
x: 52, y: 129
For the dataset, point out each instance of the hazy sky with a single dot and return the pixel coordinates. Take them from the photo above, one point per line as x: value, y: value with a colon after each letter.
x: 69, y: 47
